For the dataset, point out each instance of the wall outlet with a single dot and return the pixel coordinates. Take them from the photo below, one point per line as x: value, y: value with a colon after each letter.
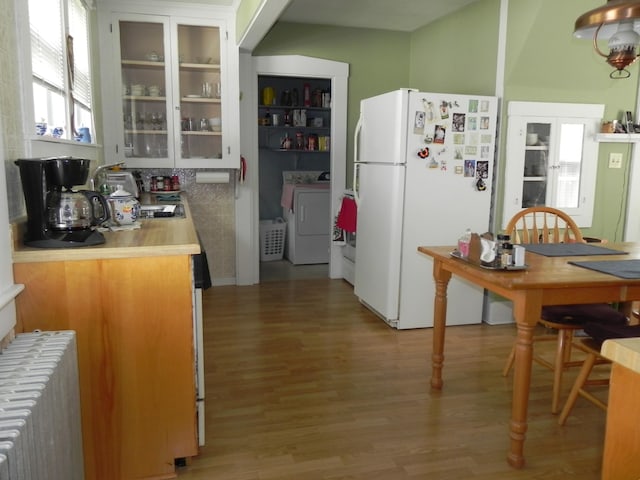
x: 615, y: 160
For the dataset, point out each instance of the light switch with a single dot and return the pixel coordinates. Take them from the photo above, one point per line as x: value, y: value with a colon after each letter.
x: 615, y: 160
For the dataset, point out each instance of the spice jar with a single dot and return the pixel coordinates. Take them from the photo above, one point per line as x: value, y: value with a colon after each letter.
x: 506, y: 258
x: 501, y: 241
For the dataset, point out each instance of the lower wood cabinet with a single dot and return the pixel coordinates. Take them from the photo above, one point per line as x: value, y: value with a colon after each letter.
x: 133, y: 319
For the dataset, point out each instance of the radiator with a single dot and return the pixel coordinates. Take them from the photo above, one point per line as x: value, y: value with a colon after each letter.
x: 40, y: 426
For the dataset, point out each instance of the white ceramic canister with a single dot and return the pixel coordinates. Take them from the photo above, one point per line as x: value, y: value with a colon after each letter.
x: 125, y: 209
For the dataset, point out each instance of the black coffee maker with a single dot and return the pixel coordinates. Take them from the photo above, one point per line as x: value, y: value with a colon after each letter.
x: 57, y: 215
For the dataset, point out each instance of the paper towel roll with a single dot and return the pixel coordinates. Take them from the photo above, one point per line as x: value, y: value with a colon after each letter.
x: 212, y: 177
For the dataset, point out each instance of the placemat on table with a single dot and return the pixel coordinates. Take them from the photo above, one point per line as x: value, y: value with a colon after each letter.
x: 569, y: 249
x: 619, y: 268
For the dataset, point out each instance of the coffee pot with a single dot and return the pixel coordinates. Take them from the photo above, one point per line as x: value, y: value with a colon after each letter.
x: 73, y: 210
x: 57, y: 215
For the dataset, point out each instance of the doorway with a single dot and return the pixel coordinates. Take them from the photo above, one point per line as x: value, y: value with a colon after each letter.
x: 248, y: 201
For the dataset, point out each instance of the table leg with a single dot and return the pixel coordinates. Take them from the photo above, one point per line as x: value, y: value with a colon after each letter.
x: 526, y: 315
x: 441, y: 278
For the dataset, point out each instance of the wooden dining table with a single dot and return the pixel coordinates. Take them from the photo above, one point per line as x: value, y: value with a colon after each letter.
x: 546, y: 280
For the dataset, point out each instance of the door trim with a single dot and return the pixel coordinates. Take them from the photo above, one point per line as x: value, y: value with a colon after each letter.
x: 247, y: 206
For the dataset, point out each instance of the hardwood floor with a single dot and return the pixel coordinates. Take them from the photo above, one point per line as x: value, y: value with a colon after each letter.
x: 305, y: 383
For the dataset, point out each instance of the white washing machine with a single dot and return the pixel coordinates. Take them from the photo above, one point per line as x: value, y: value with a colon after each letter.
x: 308, y: 224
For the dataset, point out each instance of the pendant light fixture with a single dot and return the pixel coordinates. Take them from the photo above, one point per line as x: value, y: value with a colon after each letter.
x: 617, y: 21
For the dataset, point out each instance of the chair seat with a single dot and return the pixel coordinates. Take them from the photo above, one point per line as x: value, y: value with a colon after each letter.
x: 601, y: 331
x: 576, y: 315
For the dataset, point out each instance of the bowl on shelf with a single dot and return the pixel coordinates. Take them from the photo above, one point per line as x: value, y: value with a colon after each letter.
x: 532, y: 139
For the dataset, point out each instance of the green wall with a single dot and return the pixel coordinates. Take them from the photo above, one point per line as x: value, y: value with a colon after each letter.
x: 457, y: 54
x: 378, y: 60
x: 244, y: 14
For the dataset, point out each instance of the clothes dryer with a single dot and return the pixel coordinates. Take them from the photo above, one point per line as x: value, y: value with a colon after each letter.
x: 308, y: 224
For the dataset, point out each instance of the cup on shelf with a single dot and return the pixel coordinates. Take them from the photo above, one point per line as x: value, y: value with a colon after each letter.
x: 216, y: 124
x: 532, y: 139
x: 206, y: 90
x: 137, y: 89
x: 41, y: 128
x: 268, y: 95
x: 154, y: 91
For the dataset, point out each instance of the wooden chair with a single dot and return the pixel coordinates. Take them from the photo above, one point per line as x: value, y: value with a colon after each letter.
x: 550, y: 225
x: 591, y: 347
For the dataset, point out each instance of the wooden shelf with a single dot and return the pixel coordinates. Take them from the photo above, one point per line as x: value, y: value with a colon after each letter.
x: 199, y: 66
x: 293, y: 150
x: 142, y: 63
x: 144, y: 98
x: 198, y: 132
x: 618, y: 137
x: 199, y: 100
x: 146, y: 132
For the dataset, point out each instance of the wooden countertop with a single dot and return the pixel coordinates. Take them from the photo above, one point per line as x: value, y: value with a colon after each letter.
x: 156, y: 237
x: 623, y: 351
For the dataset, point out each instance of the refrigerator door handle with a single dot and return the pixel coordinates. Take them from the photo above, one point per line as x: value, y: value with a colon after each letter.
x: 356, y: 160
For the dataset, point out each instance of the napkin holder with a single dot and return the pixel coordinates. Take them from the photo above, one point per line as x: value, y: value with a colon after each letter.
x: 481, y: 250
x: 475, y: 249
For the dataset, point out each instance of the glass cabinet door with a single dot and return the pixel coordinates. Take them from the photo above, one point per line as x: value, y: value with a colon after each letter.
x: 552, y: 158
x: 199, y: 90
x: 535, y: 179
x: 553, y: 164
x: 145, y: 81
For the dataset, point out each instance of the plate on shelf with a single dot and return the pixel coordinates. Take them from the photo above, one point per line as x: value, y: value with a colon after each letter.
x: 164, y: 192
x: 193, y: 96
x: 510, y: 268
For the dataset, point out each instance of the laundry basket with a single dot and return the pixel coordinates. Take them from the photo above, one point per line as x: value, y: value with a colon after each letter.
x: 272, y: 235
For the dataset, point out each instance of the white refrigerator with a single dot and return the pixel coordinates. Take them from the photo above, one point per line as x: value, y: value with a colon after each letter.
x: 423, y: 167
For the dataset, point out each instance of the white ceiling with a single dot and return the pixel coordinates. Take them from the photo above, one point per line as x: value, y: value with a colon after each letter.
x: 401, y: 15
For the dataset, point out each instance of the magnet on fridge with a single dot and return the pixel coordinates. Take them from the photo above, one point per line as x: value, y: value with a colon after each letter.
x: 418, y: 123
x: 481, y: 186
x: 423, y: 153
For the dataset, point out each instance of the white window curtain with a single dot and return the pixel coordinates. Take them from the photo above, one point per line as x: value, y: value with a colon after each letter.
x: 47, y: 51
x: 78, y: 28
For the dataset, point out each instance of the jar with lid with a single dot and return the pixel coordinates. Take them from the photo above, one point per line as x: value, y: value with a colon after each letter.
x: 506, y: 258
x: 159, y: 183
x: 501, y: 241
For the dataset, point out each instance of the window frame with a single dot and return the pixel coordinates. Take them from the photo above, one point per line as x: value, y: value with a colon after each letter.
x: 47, y: 145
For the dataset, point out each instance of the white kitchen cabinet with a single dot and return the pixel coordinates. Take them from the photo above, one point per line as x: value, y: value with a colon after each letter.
x: 170, y: 88
x: 551, y: 158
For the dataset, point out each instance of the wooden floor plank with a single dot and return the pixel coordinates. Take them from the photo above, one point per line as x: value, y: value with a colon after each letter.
x: 303, y: 382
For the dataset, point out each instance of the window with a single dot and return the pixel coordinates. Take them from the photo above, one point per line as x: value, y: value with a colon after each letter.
x: 60, y: 61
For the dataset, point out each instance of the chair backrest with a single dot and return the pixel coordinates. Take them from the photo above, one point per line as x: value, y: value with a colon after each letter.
x: 543, y: 225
